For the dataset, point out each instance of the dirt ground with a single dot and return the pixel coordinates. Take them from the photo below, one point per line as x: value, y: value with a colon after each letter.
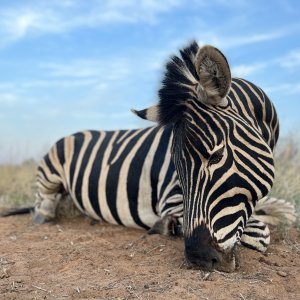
x: 74, y: 259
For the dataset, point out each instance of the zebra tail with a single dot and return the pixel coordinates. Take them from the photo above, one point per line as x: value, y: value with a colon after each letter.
x: 17, y: 211
x: 274, y: 211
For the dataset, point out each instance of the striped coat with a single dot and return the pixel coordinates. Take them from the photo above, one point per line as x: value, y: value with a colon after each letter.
x: 122, y: 177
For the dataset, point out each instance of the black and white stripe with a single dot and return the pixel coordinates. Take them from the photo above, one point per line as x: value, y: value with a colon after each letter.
x: 121, y: 177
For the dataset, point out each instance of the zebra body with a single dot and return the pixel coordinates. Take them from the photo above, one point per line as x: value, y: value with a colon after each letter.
x: 123, y: 177
x: 127, y: 177
x: 201, y: 172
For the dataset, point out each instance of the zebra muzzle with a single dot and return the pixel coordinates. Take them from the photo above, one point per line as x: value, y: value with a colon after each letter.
x: 202, y: 252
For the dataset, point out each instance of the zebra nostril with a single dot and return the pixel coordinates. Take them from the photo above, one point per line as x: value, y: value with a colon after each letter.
x: 214, y: 261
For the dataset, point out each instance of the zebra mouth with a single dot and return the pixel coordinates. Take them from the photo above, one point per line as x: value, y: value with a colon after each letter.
x: 216, y: 261
x: 228, y: 260
x: 202, y: 252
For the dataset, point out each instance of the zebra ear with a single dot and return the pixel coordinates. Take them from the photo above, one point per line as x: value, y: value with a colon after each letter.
x: 150, y: 114
x: 214, y: 73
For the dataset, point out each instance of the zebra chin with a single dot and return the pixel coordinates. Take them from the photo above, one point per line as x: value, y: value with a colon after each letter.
x: 202, y: 252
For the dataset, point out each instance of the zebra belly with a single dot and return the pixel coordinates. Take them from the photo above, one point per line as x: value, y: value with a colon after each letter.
x: 121, y: 211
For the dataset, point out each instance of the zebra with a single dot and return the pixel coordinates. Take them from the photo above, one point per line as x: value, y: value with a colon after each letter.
x: 204, y: 172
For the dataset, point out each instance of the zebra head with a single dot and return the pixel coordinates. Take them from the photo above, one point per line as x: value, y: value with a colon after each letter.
x: 223, y: 163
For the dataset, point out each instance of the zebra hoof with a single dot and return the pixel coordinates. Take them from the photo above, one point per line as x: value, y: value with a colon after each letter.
x: 39, y: 219
x: 168, y: 225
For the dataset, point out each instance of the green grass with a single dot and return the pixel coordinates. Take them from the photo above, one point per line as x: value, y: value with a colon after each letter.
x: 17, y: 186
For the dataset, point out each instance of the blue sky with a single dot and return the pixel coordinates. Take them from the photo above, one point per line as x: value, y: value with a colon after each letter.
x: 69, y: 65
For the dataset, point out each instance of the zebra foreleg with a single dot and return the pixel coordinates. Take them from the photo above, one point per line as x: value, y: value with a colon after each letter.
x: 170, y: 211
x: 45, y: 207
x: 256, y: 235
x: 270, y: 211
x: 274, y: 211
x: 168, y: 225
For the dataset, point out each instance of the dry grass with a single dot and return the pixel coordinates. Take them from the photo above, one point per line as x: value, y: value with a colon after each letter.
x: 287, y: 182
x: 17, y: 182
x: 17, y: 188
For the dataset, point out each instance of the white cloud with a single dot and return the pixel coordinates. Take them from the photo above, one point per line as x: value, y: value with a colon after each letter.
x: 101, y: 86
x: 238, y: 41
x: 65, y: 83
x: 7, y: 85
x: 246, y: 70
x: 286, y: 88
x: 8, y: 99
x: 108, y: 69
x: 35, y: 17
x: 100, y: 116
x: 16, y: 24
x: 225, y: 41
x: 40, y: 17
x: 51, y: 112
x: 291, y: 60
x: 23, y: 23
x: 254, y: 38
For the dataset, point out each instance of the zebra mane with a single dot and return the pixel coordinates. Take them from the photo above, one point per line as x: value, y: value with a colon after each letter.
x: 201, y: 75
x: 180, y: 76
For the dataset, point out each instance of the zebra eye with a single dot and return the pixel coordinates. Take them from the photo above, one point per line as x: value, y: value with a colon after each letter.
x: 216, y: 157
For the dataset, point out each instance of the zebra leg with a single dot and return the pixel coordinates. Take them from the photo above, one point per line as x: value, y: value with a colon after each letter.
x: 45, y: 207
x: 274, y: 211
x: 256, y: 235
x: 50, y: 188
x: 271, y: 211
x: 171, y: 212
x: 168, y: 225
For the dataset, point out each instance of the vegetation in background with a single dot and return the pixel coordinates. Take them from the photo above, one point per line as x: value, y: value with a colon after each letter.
x: 17, y: 188
x: 287, y: 166
x: 17, y: 183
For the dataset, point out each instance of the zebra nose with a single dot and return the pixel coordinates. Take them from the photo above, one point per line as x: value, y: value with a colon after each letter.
x: 206, y: 258
x: 199, y: 250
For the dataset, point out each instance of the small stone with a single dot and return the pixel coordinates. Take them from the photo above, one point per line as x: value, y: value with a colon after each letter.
x: 13, y: 237
x: 282, y: 274
x: 4, y: 273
